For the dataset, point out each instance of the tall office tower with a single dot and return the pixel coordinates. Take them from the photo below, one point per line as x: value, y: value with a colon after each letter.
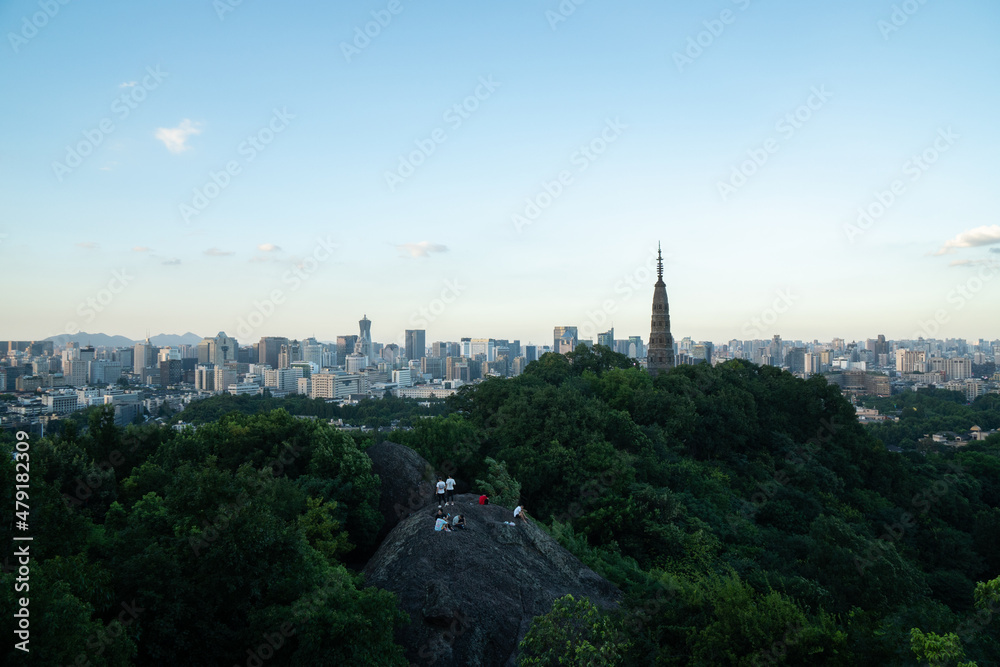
x: 391, y: 354
x: 796, y: 360
x: 515, y: 348
x: 439, y: 349
x: 269, y: 348
x: 365, y: 339
x: 531, y: 353
x: 345, y: 346
x: 433, y: 366
x: 87, y: 353
x: 607, y: 339
x: 145, y: 356
x: 775, y: 351
x: 415, y: 345
x: 636, y: 347
x: 564, y: 339
x: 660, y: 356
x: 465, y: 348
x: 484, y: 346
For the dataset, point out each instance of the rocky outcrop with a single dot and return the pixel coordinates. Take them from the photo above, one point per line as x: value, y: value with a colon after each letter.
x: 407, y: 482
x: 471, y: 595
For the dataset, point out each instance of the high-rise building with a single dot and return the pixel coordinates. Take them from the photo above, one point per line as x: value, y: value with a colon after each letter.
x: 345, y: 346
x: 144, y: 356
x: 564, y: 339
x: 531, y: 353
x: 269, y: 349
x: 415, y: 345
x: 911, y: 361
x: 660, y: 356
x: 218, y: 350
x: 364, y: 343
x: 607, y: 339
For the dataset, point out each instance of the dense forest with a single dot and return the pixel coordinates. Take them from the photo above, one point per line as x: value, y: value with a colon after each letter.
x: 745, y: 514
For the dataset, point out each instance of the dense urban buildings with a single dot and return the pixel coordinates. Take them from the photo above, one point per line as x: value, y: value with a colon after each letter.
x: 48, y: 381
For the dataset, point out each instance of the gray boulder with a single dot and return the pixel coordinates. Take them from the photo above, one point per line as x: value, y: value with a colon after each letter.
x: 407, y: 482
x: 471, y: 595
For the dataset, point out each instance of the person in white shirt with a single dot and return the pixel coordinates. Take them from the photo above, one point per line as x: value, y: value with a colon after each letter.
x: 449, y: 487
x: 440, y: 492
x: 519, y: 512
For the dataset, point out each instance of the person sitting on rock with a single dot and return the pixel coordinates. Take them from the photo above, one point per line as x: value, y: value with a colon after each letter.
x: 458, y: 523
x: 440, y: 491
x: 439, y: 514
x: 484, y: 500
x: 441, y: 525
x: 519, y: 512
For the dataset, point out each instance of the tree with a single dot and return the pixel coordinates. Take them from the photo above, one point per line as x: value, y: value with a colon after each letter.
x: 502, y: 489
x: 574, y: 632
x: 938, y: 650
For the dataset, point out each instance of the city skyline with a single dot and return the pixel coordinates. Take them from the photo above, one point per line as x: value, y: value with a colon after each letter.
x: 839, y: 182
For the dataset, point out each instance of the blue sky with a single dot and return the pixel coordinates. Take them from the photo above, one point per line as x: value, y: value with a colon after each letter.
x: 148, y: 231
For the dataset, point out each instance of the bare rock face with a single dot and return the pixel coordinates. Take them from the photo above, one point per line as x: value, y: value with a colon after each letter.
x: 471, y: 595
x: 407, y: 482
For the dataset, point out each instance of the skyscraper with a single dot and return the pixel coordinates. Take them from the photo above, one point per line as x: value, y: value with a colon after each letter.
x: 564, y: 339
x: 607, y: 339
x: 364, y: 344
x: 416, y: 347
x: 269, y: 348
x: 660, y: 357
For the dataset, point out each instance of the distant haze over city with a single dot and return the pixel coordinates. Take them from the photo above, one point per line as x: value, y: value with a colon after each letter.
x: 486, y: 171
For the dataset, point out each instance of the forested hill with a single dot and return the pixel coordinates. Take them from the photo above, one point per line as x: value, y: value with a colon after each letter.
x: 746, y: 516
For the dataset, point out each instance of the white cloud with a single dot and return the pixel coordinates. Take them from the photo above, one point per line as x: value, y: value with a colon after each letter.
x: 88, y: 245
x: 268, y: 247
x: 175, y: 138
x: 980, y: 236
x: 422, y: 249
x: 974, y: 262
x: 172, y: 262
x: 215, y: 252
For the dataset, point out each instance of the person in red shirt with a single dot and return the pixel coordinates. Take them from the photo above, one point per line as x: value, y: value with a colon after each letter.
x: 483, y: 500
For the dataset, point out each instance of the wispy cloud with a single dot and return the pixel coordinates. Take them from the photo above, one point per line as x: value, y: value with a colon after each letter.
x: 172, y: 262
x: 175, y: 138
x: 257, y: 258
x: 980, y: 236
x: 422, y: 249
x: 973, y: 262
x: 128, y: 84
x: 141, y: 248
x: 87, y: 245
x: 268, y: 247
x: 215, y: 252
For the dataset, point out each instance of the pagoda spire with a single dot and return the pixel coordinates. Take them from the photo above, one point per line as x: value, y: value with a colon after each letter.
x: 660, y: 353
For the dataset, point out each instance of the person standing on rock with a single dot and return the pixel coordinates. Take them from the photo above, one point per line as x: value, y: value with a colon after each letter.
x: 440, y: 492
x: 449, y: 486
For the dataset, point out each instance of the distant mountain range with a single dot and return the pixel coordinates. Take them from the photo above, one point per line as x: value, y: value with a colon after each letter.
x: 104, y: 340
